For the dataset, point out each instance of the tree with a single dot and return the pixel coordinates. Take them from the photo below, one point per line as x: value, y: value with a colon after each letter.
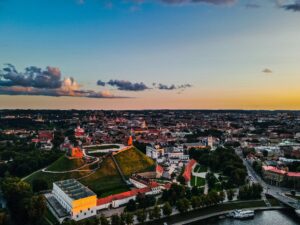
x: 181, y: 180
x: 129, y: 218
x: 4, y: 219
x: 195, y: 202
x: 103, y: 220
x: 141, y: 216
x: 230, y: 194
x: 115, y: 220
x: 151, y: 214
x: 167, y: 209
x: 211, y: 180
x: 36, y: 209
x: 17, y: 194
x: 222, y: 196
x: 156, y: 212
x: 39, y: 184
x: 131, y: 206
x: 123, y: 219
x: 183, y: 205
x: 248, y: 192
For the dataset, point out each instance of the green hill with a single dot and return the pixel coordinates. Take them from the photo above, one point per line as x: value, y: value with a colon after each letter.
x: 134, y: 161
x: 65, y: 164
x: 103, y: 181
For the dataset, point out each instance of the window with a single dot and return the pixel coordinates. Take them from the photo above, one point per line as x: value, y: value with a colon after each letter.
x: 85, y: 214
x: 89, y: 209
x: 80, y: 211
x: 92, y: 211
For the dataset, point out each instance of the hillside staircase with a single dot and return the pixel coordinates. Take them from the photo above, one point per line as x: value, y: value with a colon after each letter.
x: 119, y: 170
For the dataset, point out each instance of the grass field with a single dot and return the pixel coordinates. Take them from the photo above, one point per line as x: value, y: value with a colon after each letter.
x: 200, y: 169
x: 65, y: 164
x: 103, y: 182
x: 106, y: 180
x: 134, y: 161
x: 197, y: 181
x: 102, y: 147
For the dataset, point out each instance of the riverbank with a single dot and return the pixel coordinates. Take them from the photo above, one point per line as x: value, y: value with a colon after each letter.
x: 213, y: 211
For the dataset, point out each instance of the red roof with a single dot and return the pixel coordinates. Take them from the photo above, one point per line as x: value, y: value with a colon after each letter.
x: 188, y: 170
x: 35, y: 140
x: 159, y: 169
x: 45, y: 135
x: 122, y: 195
x: 278, y: 171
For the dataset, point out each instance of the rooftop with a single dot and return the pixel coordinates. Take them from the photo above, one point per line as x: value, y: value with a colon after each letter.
x: 74, y: 189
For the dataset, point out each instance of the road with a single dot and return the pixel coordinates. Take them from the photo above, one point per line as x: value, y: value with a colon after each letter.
x: 276, y: 192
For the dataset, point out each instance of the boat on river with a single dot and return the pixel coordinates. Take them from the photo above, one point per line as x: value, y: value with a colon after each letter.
x: 242, y: 214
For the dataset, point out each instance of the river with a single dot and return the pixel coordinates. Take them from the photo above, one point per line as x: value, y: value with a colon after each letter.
x: 276, y: 217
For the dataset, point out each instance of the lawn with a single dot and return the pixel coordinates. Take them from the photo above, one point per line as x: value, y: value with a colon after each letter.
x: 134, y: 161
x: 97, y: 154
x: 197, y: 181
x: 105, y: 181
x: 102, y: 147
x: 200, y: 169
x: 50, y: 177
x: 65, y: 164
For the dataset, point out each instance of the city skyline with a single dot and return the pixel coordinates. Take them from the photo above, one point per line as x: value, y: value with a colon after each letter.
x: 164, y: 54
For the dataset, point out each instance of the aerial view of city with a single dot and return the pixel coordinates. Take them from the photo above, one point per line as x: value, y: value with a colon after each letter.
x: 149, y: 112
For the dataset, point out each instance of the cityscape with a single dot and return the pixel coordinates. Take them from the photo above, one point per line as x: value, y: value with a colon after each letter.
x: 149, y: 112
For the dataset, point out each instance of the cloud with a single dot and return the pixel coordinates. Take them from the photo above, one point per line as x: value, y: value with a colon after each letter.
x: 172, y: 87
x: 32, y: 77
x: 295, y: 6
x: 267, y: 71
x: 100, y: 83
x: 18, y: 90
x: 124, y: 85
x: 48, y: 82
x: 166, y: 87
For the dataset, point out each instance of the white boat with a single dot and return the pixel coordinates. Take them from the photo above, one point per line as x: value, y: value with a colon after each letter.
x: 242, y: 214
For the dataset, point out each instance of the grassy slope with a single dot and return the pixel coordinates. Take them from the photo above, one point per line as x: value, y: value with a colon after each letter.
x: 103, y: 182
x: 65, y: 164
x: 134, y: 161
x: 106, y: 180
x: 50, y: 178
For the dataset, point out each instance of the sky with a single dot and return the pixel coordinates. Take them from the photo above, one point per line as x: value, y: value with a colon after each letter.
x: 150, y: 54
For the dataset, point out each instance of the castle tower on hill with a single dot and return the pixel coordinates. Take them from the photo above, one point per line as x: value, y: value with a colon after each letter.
x: 130, y: 141
x: 75, y: 152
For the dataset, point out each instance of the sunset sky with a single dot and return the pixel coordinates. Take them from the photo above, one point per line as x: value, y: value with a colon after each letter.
x: 150, y: 54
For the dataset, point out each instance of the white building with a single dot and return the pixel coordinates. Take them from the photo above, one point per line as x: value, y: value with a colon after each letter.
x: 154, y: 152
x: 70, y: 199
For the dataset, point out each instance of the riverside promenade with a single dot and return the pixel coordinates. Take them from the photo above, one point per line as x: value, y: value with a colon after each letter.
x: 195, y: 219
